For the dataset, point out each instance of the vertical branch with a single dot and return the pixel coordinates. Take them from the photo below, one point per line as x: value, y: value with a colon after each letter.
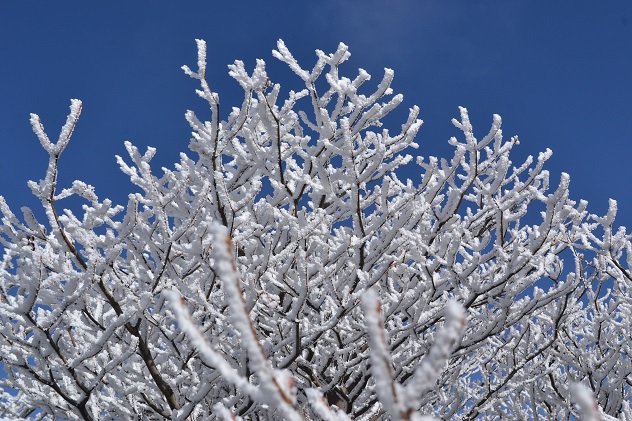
x: 214, y: 135
x: 45, y: 190
x: 207, y: 353
x: 277, y: 394
x: 381, y: 365
x: 433, y: 364
x: 401, y: 403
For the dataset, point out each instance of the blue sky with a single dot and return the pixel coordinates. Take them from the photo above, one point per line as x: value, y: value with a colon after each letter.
x: 559, y: 73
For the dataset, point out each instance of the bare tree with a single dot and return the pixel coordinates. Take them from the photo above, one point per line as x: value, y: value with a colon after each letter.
x: 287, y: 271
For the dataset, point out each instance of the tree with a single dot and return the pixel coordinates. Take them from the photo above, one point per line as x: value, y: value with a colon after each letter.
x: 288, y: 272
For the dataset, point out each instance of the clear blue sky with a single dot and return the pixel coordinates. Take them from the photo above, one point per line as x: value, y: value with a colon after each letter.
x: 558, y: 72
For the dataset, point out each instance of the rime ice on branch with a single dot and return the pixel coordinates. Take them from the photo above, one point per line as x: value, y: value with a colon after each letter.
x: 283, y: 269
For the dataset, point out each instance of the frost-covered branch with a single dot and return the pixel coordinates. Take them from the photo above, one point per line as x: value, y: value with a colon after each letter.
x: 314, y: 280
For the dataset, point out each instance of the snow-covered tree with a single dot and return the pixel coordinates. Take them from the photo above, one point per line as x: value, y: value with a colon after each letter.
x: 286, y: 270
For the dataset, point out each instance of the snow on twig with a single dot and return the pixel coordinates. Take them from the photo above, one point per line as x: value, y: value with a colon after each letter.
x: 381, y: 366
x: 276, y: 389
x: 402, y: 402
x: 586, y: 401
x: 433, y: 364
x: 207, y: 353
x: 319, y: 406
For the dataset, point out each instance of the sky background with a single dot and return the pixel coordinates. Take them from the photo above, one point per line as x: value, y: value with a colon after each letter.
x: 558, y: 72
